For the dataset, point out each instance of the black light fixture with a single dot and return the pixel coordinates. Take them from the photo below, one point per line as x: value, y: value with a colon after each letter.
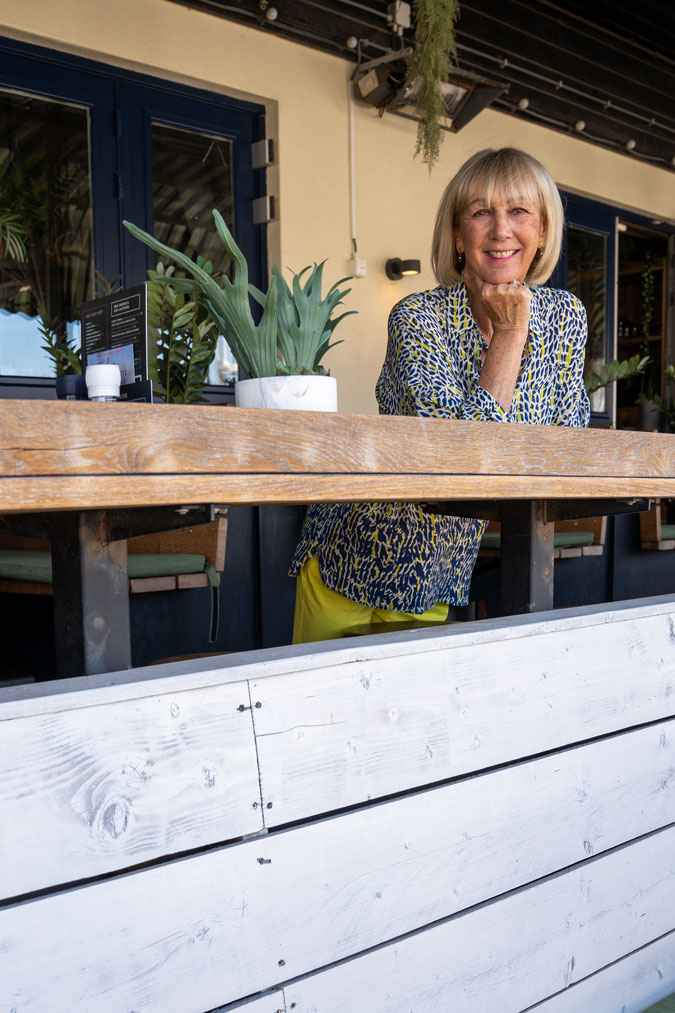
x: 382, y: 83
x: 465, y: 95
x: 397, y: 268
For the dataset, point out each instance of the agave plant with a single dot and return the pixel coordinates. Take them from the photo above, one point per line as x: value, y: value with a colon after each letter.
x: 254, y: 346
x: 296, y: 325
x: 304, y: 319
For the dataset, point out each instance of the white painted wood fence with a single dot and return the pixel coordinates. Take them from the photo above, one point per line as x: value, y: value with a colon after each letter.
x: 475, y: 819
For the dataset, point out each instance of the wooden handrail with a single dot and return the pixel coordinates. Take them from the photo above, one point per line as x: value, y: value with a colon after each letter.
x: 72, y: 456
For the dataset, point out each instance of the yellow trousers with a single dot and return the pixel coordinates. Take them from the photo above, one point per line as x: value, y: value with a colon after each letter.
x: 322, y: 614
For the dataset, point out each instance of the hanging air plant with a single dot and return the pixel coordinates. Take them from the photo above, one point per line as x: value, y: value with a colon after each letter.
x: 431, y: 63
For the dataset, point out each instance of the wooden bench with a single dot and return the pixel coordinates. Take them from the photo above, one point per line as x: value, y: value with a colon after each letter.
x: 167, y: 549
x: 655, y: 533
x: 475, y: 818
x: 571, y: 539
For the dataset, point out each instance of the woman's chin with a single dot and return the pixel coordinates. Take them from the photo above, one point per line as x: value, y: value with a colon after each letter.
x: 502, y: 272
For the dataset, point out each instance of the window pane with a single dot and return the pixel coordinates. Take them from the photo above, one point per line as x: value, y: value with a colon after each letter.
x: 192, y: 175
x: 641, y: 318
x: 587, y: 278
x: 45, y: 219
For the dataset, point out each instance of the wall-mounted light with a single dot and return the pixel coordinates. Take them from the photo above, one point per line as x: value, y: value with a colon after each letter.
x: 397, y: 268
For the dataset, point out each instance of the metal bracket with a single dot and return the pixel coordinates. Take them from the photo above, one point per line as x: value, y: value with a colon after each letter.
x: 555, y: 509
x: 262, y: 153
x: 575, y: 509
x: 264, y: 210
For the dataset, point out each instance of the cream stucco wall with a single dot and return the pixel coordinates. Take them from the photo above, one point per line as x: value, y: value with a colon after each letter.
x: 306, y: 95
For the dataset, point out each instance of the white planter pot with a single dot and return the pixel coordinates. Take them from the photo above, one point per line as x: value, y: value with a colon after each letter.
x: 299, y: 393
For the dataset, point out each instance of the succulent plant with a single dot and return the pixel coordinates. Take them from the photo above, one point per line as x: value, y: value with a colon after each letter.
x: 296, y: 325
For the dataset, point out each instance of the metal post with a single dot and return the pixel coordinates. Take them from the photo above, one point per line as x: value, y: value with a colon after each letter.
x: 526, y: 558
x: 91, y: 596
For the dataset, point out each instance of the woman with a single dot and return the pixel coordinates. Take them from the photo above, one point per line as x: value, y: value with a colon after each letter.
x: 486, y: 344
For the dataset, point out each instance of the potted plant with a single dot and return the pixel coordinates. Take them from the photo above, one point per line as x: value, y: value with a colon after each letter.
x: 613, y: 371
x: 657, y: 411
x: 281, y: 354
x: 182, y: 337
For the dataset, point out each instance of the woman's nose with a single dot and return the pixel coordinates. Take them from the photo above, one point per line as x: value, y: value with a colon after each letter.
x: 500, y: 224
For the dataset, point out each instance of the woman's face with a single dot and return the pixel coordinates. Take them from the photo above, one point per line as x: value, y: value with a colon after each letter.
x: 499, y: 240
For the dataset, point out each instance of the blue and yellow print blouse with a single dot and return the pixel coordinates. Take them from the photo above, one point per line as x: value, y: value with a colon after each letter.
x: 393, y: 555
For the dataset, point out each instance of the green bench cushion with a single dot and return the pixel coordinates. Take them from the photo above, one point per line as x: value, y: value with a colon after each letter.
x: 22, y: 564
x: 561, y: 539
x: 667, y: 531
x: 29, y: 565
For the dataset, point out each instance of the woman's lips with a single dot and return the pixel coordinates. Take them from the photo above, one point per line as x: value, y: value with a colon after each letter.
x: 501, y: 254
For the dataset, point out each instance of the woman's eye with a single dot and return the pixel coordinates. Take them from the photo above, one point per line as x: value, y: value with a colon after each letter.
x: 519, y: 211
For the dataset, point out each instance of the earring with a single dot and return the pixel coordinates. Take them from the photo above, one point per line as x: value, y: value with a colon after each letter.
x: 460, y: 259
x: 540, y: 251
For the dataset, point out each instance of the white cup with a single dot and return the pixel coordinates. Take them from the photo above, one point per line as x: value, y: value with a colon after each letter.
x: 103, y: 382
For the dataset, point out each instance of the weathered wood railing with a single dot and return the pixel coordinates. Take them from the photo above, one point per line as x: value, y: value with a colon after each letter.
x: 479, y: 818
x: 81, y: 456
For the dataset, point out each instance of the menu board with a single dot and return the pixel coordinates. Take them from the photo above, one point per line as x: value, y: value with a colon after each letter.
x: 114, y: 329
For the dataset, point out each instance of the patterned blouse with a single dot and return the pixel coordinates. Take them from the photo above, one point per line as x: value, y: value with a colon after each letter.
x: 393, y: 555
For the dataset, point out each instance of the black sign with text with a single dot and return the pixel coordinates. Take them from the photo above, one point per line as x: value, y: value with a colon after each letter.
x: 114, y: 329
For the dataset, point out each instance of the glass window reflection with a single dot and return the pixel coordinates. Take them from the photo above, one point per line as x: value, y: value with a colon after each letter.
x: 46, y: 228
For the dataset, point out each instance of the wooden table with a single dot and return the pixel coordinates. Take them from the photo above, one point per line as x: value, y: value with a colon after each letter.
x: 94, y: 473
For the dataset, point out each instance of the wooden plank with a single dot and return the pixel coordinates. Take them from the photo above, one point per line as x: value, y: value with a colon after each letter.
x: 513, y: 952
x: 33, y: 494
x: 97, y: 789
x: 24, y: 587
x: 131, y: 439
x: 592, y: 550
x: 8, y: 541
x: 187, y: 580
x: 139, y: 585
x: 216, y: 670
x: 426, y: 856
x: 340, y: 735
x: 630, y: 985
x: 217, y: 926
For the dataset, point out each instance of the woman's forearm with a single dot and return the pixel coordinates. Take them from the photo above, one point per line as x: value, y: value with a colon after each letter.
x: 502, y: 363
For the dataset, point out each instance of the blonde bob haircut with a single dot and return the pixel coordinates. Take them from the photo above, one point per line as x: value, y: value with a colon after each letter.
x: 510, y: 173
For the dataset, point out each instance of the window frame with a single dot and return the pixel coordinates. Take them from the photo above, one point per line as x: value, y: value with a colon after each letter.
x: 603, y: 218
x: 122, y: 105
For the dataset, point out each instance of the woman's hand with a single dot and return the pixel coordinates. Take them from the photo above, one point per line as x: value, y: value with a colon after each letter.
x: 507, y: 307
x: 506, y: 310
